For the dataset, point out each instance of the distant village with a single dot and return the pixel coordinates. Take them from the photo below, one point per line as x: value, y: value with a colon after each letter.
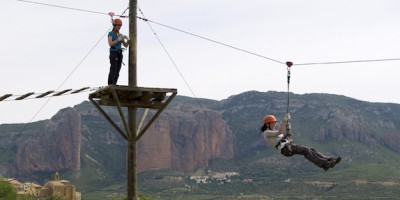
x: 63, y: 188
x: 216, y: 177
x: 53, y: 188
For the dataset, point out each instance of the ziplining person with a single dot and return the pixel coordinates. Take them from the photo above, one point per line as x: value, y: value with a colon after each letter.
x: 115, y: 41
x: 285, y: 144
x: 287, y: 147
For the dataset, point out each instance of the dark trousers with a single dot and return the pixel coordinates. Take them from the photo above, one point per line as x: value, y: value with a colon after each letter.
x: 309, y: 153
x: 115, y: 67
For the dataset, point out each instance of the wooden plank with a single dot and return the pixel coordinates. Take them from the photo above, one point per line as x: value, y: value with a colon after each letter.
x: 45, y: 94
x: 132, y: 96
x: 5, y: 96
x: 80, y: 90
x: 24, y: 96
x: 134, y: 93
x: 139, y: 104
x: 119, y: 88
x: 62, y: 92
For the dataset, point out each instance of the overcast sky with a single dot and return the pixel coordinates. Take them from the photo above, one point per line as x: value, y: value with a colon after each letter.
x: 49, y: 48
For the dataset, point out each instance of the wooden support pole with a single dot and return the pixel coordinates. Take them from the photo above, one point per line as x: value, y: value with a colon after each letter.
x: 132, y: 145
x: 132, y: 97
x: 108, y: 118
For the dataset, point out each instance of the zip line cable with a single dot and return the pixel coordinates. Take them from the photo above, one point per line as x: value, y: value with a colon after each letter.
x: 70, y: 8
x: 274, y: 60
x: 186, y: 32
x: 217, y: 42
x: 349, y: 61
x: 211, y: 40
x: 63, y: 7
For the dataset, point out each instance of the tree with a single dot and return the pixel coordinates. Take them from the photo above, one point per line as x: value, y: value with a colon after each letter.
x: 7, y: 191
x: 142, y: 197
x: 26, y: 197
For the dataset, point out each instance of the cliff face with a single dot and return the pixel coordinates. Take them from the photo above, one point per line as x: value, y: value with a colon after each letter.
x: 318, y: 117
x: 55, y: 148
x: 185, y: 139
x: 339, y: 126
x: 365, y: 123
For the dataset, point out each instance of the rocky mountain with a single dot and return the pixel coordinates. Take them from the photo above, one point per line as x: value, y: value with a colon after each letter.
x: 193, y: 133
x: 184, y: 138
x: 54, y: 146
x: 317, y: 117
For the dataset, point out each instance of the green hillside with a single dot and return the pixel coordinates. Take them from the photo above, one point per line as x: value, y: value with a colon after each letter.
x: 368, y: 170
x: 364, y: 134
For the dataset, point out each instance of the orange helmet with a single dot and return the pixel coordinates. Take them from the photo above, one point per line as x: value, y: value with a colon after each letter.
x: 269, y: 119
x: 117, y: 22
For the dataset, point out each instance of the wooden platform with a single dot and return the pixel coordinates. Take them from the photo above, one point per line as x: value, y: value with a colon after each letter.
x: 137, y: 97
x: 127, y: 96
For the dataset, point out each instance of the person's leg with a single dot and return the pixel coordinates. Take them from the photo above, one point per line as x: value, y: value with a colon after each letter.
x: 310, y: 154
x: 113, y: 68
x: 118, y: 69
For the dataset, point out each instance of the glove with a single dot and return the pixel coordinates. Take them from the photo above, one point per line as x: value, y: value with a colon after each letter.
x: 121, y: 38
x: 286, y: 118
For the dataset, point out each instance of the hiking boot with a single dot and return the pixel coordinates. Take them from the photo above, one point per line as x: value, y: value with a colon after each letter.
x: 337, y: 160
x: 329, y: 164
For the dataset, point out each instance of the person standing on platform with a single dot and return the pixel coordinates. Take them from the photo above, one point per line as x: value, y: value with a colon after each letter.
x: 116, y: 40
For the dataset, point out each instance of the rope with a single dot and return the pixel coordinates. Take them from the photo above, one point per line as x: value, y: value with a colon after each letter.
x: 288, y: 64
x: 288, y: 86
x: 64, y: 7
x: 211, y: 40
x: 271, y: 59
x: 350, y: 61
x: 70, y: 8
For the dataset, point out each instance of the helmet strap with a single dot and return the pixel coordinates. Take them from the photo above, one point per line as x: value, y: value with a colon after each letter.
x: 269, y: 126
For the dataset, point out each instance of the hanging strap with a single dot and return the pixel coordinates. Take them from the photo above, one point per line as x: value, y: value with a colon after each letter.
x: 288, y: 64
